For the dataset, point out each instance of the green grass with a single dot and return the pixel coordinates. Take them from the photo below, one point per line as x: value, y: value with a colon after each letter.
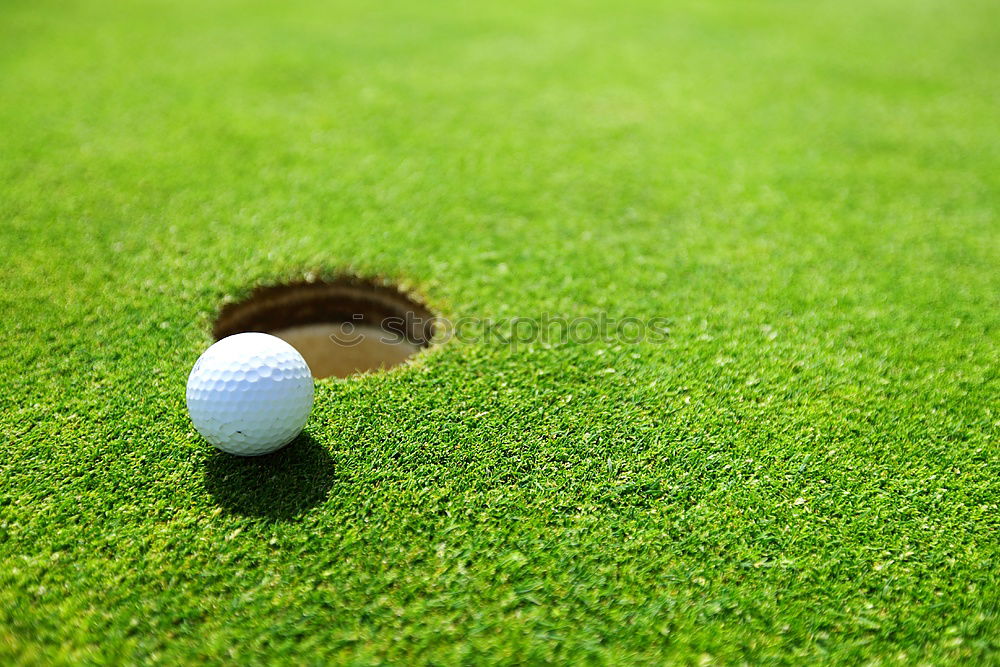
x: 805, y: 470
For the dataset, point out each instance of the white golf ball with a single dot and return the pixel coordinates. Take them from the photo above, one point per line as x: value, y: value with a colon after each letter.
x: 250, y: 394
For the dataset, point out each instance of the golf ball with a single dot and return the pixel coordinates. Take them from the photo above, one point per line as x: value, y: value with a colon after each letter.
x: 250, y: 394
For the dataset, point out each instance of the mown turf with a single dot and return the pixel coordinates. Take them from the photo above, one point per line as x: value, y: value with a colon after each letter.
x: 804, y: 470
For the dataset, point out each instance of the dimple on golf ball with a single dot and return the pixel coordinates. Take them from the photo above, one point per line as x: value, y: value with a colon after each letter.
x: 250, y: 394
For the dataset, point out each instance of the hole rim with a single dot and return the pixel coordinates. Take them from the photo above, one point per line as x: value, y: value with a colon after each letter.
x: 332, y: 299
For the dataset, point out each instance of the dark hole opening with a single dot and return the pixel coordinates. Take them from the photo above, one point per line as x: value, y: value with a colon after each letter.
x: 343, y: 326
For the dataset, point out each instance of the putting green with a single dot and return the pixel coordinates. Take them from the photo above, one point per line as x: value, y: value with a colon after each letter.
x: 805, y: 469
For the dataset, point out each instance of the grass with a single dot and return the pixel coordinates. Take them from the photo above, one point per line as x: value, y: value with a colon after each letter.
x: 804, y: 471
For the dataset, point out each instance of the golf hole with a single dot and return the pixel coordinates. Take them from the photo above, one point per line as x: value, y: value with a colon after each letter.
x: 341, y: 327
